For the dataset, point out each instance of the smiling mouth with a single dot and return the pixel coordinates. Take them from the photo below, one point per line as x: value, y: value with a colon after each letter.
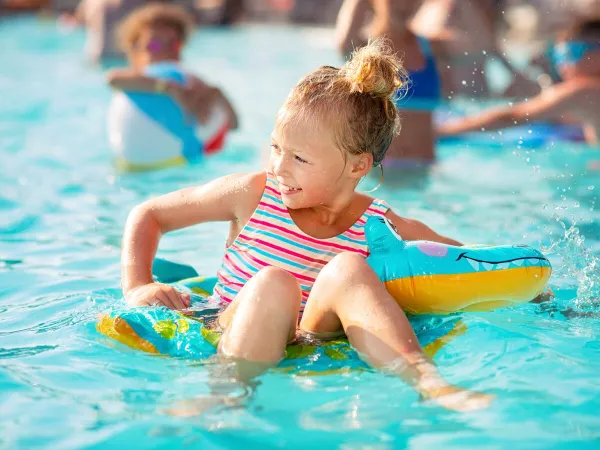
x: 287, y: 188
x: 526, y: 261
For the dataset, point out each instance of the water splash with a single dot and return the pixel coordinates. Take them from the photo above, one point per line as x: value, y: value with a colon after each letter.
x: 579, y: 264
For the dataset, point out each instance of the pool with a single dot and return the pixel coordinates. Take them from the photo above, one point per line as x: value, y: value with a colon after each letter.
x: 62, y: 211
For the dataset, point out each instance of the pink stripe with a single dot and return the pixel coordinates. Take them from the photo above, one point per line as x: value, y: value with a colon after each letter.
x: 284, y: 250
x: 374, y: 210
x: 266, y: 205
x: 274, y: 191
x: 307, y: 238
x: 224, y: 297
x: 227, y: 282
x: 267, y: 262
x: 258, y: 261
x: 295, y: 274
x: 237, y: 269
x: 355, y: 233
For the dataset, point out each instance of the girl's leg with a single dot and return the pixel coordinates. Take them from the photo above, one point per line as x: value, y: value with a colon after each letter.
x: 349, y: 295
x: 260, y: 322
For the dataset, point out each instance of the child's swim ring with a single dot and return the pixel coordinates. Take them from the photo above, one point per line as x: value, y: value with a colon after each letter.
x: 150, y: 131
x: 160, y: 331
x: 432, y: 278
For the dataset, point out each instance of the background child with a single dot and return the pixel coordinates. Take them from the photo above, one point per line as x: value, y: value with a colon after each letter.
x: 297, y: 247
x: 576, y: 98
x: 360, y: 20
x: 157, y: 33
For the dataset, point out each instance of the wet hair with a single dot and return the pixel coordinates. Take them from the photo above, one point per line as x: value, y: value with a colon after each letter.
x: 357, y: 100
x: 153, y: 14
x: 587, y: 31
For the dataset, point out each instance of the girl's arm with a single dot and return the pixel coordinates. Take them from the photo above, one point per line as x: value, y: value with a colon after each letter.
x: 350, y: 20
x: 231, y: 198
x: 413, y: 230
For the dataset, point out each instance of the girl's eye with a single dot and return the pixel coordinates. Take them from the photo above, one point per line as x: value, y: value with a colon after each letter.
x: 274, y: 148
x: 297, y: 158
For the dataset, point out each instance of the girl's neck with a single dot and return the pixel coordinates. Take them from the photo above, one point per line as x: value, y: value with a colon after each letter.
x: 331, y: 213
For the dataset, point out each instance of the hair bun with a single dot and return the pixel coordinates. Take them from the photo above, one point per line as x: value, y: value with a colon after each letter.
x: 375, y: 69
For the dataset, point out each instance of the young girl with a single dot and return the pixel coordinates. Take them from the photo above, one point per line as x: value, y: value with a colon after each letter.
x: 297, y: 248
x: 157, y: 33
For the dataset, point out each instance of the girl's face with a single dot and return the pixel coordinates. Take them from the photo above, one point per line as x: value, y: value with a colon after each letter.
x: 310, y: 169
x: 156, y: 43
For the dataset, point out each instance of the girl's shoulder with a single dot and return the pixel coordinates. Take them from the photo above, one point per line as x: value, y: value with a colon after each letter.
x: 371, y: 204
x: 238, y: 193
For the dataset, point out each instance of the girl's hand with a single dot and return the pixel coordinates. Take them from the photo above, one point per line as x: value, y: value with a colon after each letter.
x: 154, y: 294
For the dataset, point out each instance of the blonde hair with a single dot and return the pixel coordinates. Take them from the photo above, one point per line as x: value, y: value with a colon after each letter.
x: 153, y: 14
x: 359, y: 97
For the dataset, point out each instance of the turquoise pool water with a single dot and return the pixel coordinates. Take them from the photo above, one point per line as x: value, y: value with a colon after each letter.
x: 62, y: 211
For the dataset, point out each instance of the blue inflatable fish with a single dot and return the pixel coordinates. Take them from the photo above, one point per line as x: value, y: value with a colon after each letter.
x: 434, y: 278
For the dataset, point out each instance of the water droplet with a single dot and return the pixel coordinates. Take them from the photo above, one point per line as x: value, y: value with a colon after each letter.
x: 590, y: 188
x: 464, y: 83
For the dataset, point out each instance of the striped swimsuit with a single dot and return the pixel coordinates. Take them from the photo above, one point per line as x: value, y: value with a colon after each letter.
x: 271, y: 238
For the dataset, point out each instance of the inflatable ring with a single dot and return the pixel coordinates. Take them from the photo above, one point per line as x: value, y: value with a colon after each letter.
x: 150, y: 131
x: 160, y: 331
x: 433, y: 278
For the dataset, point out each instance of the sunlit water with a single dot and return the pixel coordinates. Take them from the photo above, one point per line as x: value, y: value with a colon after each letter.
x: 62, y: 211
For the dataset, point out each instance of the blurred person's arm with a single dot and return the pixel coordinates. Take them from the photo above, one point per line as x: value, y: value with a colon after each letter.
x: 78, y: 17
x: 554, y: 103
x: 131, y: 80
x: 197, y: 85
x: 350, y: 21
x: 196, y: 97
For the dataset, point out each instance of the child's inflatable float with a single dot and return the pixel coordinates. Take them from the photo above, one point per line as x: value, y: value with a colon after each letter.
x: 433, y: 278
x: 424, y: 277
x: 150, y: 131
x: 160, y: 331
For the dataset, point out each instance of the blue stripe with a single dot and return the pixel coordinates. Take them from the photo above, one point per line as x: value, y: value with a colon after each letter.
x: 275, y: 199
x: 361, y: 242
x: 229, y: 272
x: 228, y: 289
x: 304, y: 287
x: 253, y: 270
x: 280, y: 238
x: 283, y: 260
x: 275, y: 216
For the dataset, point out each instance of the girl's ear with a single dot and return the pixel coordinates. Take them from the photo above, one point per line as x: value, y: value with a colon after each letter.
x: 361, y: 165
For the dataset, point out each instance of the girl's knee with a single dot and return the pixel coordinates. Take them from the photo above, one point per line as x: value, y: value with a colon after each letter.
x: 276, y: 277
x: 348, y: 267
x: 276, y: 286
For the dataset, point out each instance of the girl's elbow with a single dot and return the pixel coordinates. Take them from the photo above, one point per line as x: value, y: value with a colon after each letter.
x: 141, y: 216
